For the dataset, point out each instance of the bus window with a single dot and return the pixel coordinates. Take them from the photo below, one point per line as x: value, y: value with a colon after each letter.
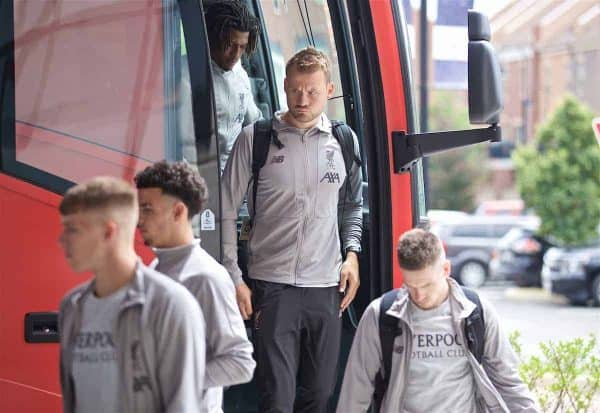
x: 101, y: 88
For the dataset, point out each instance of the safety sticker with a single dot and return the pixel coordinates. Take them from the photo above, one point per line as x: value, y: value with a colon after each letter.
x: 207, y: 221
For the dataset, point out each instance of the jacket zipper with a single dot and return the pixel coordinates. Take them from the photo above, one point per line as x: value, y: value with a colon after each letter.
x: 306, y: 172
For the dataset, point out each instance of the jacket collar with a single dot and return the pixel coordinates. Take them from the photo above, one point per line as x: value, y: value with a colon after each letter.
x: 135, y: 290
x: 169, y: 256
x: 323, y: 124
x: 464, y: 307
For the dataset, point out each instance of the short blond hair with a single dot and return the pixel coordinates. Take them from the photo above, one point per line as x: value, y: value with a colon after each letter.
x: 418, y: 249
x: 97, y: 194
x: 309, y: 60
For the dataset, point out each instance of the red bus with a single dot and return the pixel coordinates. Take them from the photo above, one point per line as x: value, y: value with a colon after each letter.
x: 91, y: 87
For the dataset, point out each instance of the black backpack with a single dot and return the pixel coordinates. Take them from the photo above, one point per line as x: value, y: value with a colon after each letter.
x: 389, y: 330
x: 265, y: 136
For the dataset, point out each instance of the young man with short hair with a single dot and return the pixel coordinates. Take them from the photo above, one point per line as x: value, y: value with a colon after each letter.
x: 232, y: 31
x: 295, y: 264
x: 432, y: 369
x: 131, y: 340
x: 170, y: 195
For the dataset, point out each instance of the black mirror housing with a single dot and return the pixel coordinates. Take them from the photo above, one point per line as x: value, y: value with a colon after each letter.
x: 485, y: 88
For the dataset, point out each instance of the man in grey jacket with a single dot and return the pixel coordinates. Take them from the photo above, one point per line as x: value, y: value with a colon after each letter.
x: 131, y: 339
x: 295, y: 264
x: 170, y: 195
x: 432, y: 369
x: 232, y: 31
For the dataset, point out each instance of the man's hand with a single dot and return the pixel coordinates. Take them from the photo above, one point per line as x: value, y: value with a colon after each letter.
x: 350, y: 280
x: 243, y: 294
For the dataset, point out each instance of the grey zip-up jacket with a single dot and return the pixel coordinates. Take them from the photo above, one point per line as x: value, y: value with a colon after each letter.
x: 228, y: 351
x: 159, y: 336
x: 294, y: 238
x: 497, y: 382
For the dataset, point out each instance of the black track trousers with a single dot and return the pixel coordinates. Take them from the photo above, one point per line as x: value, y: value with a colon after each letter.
x: 297, y: 343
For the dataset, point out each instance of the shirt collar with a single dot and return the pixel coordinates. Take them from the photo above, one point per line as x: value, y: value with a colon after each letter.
x: 322, y: 125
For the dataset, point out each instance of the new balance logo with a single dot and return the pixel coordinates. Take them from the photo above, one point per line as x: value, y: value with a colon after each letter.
x: 277, y: 159
x: 331, y: 177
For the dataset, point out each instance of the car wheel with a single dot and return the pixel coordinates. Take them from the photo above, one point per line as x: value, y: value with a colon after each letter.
x: 596, y: 290
x: 472, y: 274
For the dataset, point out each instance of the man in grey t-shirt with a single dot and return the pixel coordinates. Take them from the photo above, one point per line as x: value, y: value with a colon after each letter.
x: 232, y: 31
x: 432, y: 369
x: 131, y: 339
x: 95, y: 354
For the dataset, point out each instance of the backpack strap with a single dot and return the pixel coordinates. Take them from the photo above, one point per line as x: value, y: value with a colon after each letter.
x: 388, y: 331
x: 260, y: 150
x: 475, y: 326
x: 343, y: 134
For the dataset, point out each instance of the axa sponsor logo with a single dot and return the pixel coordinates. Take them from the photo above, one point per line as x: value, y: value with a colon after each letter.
x: 331, y: 178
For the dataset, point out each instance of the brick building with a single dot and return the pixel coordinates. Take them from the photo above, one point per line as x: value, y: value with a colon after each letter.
x: 547, y: 49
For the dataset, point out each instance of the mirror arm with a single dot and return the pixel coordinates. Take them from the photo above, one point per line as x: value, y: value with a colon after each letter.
x: 407, y: 149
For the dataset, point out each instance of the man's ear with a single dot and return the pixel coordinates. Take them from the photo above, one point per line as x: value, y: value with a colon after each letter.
x: 447, y: 268
x: 330, y: 89
x: 180, y: 211
x: 110, y: 229
x: 285, y: 84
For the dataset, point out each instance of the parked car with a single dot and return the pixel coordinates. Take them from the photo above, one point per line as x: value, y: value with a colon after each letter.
x: 442, y: 216
x: 469, y: 243
x: 519, y: 257
x: 574, y: 273
x: 501, y: 207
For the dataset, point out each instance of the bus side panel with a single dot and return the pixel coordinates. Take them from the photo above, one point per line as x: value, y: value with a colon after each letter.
x: 34, y: 276
x: 396, y: 115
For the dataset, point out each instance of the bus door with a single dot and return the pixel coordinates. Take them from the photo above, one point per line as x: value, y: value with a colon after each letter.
x: 287, y: 28
x: 87, y: 88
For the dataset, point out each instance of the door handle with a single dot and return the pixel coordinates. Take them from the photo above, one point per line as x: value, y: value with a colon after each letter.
x: 41, y: 327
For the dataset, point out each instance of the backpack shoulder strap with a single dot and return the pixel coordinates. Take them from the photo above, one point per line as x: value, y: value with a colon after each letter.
x: 475, y: 326
x: 343, y: 134
x: 260, y: 151
x: 388, y: 331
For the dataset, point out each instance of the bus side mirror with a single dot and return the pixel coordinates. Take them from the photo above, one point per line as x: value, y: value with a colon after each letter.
x: 485, y: 89
x: 485, y: 104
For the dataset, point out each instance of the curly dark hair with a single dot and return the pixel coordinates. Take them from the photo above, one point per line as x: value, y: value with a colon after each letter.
x: 177, y: 179
x: 224, y: 15
x: 418, y: 249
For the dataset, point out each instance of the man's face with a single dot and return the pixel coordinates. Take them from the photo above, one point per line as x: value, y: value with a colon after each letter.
x: 157, y: 217
x: 83, y: 239
x: 427, y: 287
x: 307, y: 94
x: 228, y: 57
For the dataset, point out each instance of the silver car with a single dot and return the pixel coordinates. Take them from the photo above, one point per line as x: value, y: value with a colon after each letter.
x: 469, y: 243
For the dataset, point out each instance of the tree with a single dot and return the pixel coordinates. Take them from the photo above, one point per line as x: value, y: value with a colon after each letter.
x: 558, y: 176
x: 454, y: 176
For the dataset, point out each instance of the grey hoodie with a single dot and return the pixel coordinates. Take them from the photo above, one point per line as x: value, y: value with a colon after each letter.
x: 294, y: 238
x: 228, y: 351
x: 498, y: 386
x: 159, y: 336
